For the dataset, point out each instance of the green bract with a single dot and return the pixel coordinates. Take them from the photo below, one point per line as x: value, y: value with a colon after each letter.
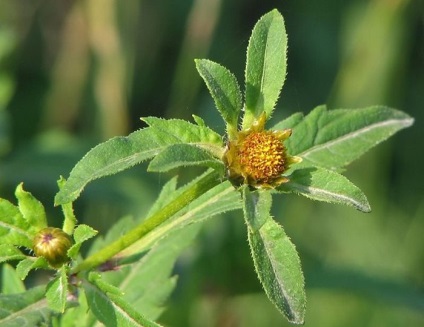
x: 310, y: 152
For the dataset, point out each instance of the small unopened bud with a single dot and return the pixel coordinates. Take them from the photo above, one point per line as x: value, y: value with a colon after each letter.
x: 52, y: 244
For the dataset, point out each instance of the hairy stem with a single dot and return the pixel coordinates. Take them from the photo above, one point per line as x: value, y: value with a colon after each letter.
x: 203, y: 185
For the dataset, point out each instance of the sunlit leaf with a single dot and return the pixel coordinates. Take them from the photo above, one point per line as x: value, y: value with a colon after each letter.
x: 180, y: 155
x: 57, y: 291
x: 9, y: 252
x: 82, y: 233
x: 326, y: 185
x: 225, y: 91
x: 14, y: 229
x: 121, y: 153
x: 289, y: 122
x: 256, y: 207
x: 220, y: 199
x: 276, y: 259
x: 26, y: 265
x: 265, y: 66
x: 332, y: 139
x: 32, y: 210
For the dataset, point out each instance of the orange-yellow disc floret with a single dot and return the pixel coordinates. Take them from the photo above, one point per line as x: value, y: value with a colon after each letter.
x: 262, y: 156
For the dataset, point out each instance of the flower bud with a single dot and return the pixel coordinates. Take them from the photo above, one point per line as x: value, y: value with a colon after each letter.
x: 52, y: 244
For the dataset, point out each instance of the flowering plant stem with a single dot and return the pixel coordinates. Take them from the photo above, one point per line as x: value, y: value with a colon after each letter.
x: 203, y: 185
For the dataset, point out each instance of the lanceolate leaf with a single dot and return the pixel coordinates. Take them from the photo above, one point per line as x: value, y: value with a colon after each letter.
x: 9, y: 252
x: 265, y: 66
x: 220, y: 199
x: 184, y: 132
x: 10, y: 281
x: 289, y: 122
x: 278, y: 267
x: 82, y: 233
x: 180, y: 155
x: 326, y: 185
x: 225, y: 91
x: 57, y: 291
x: 332, y: 139
x: 32, y: 209
x: 121, y: 153
x: 256, y: 207
x: 26, y: 265
x: 112, y: 310
x: 148, y: 282
x: 14, y: 229
x: 25, y: 309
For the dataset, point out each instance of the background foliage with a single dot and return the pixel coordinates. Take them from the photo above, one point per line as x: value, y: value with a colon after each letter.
x: 74, y: 73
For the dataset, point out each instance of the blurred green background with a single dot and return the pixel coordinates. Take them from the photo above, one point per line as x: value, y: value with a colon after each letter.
x: 75, y: 73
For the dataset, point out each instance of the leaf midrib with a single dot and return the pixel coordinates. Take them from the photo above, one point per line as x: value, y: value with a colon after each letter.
x: 402, y: 122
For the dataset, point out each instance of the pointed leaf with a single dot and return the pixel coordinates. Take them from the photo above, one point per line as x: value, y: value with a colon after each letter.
x: 181, y: 155
x: 32, y: 209
x: 68, y: 211
x: 148, y: 282
x: 81, y: 234
x: 333, y: 139
x: 10, y: 281
x: 256, y: 207
x: 289, y: 122
x: 14, y: 229
x: 220, y: 199
x: 9, y: 252
x: 225, y: 91
x: 112, y: 310
x: 278, y: 267
x: 57, y: 291
x: 265, y: 66
x: 121, y: 153
x: 326, y: 185
x: 26, y: 265
x: 25, y: 309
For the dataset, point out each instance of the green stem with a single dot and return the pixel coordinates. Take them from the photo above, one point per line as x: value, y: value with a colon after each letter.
x: 203, y: 185
x: 70, y: 220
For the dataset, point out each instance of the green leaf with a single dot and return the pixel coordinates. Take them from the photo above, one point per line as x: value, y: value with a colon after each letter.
x: 265, y: 66
x: 179, y: 155
x: 26, y: 309
x: 26, y: 265
x: 14, y: 229
x: 78, y: 316
x: 57, y: 291
x: 220, y: 199
x: 120, y: 153
x: 225, y: 91
x: 9, y: 252
x: 289, y: 122
x: 185, y: 132
x: 278, y: 267
x: 256, y: 207
x: 81, y: 234
x: 10, y: 281
x: 148, y: 283
x: 326, y: 185
x: 68, y: 211
x: 112, y: 310
x: 333, y: 139
x: 32, y: 210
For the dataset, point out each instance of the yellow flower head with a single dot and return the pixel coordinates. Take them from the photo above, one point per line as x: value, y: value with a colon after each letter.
x: 258, y: 157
